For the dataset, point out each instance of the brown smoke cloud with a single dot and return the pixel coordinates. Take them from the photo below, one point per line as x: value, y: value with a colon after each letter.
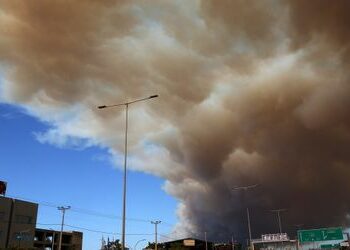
x: 251, y: 92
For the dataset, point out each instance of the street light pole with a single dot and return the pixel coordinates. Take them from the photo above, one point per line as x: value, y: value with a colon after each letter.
x: 63, y: 209
x: 155, y: 232
x: 138, y: 243
x: 246, y: 188
x: 124, y: 176
x: 126, y: 104
x: 279, y: 217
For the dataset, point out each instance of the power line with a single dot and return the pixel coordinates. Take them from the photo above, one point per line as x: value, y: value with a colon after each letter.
x: 110, y: 216
x: 44, y: 203
x: 72, y: 226
x: 82, y: 210
x: 170, y: 238
x: 98, y: 231
x: 92, y: 213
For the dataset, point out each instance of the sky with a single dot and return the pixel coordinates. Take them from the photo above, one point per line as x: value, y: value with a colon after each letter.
x: 84, y: 179
x: 249, y: 94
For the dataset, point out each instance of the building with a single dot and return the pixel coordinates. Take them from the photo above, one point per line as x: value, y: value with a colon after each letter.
x: 187, y: 243
x: 17, y: 222
x: 274, y: 242
x: 17, y: 228
x: 49, y: 239
x: 228, y: 246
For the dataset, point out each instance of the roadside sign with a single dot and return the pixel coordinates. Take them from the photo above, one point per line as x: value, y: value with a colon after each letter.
x: 321, y: 234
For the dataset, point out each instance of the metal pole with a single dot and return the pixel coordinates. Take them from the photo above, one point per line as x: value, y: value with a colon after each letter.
x: 279, y: 221
x: 53, y: 240
x: 60, y: 242
x: 155, y: 232
x: 206, y: 242
x: 244, y: 189
x: 249, y: 229
x: 125, y: 162
x: 138, y: 243
x: 156, y: 245
x: 279, y: 217
x: 233, y: 245
x: 125, y: 156
x: 63, y: 209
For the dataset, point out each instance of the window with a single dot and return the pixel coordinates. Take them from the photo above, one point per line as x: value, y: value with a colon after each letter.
x: 22, y: 236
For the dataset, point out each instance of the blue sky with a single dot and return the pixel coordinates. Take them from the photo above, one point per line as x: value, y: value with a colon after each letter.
x: 82, y: 178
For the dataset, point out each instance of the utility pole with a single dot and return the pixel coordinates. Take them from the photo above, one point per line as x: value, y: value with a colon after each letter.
x: 63, y: 209
x: 233, y: 243
x: 279, y: 217
x: 249, y: 227
x: 53, y: 240
x: 155, y: 232
x: 206, y: 242
x: 245, y: 189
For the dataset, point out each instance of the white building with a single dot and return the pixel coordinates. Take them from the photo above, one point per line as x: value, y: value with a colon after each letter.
x: 274, y: 242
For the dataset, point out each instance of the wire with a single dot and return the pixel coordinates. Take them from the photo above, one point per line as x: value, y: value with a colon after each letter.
x: 110, y: 216
x: 167, y: 237
x: 97, y: 231
x: 72, y: 226
x: 48, y: 204
x: 83, y: 210
x: 92, y: 213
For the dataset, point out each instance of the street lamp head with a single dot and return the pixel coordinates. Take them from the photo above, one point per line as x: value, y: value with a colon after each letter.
x: 102, y: 107
x: 156, y: 222
x: 153, y: 96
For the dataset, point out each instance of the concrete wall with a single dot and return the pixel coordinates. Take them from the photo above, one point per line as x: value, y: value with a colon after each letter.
x: 5, y: 210
x: 70, y: 240
x: 285, y: 245
x: 20, y: 221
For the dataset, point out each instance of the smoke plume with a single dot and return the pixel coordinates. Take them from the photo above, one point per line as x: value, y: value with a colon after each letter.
x: 250, y: 92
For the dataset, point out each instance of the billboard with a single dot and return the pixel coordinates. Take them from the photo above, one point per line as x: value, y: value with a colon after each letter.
x: 3, y: 187
x: 189, y: 243
x: 275, y: 237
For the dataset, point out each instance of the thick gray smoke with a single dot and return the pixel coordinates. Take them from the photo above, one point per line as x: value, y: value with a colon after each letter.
x: 251, y: 92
